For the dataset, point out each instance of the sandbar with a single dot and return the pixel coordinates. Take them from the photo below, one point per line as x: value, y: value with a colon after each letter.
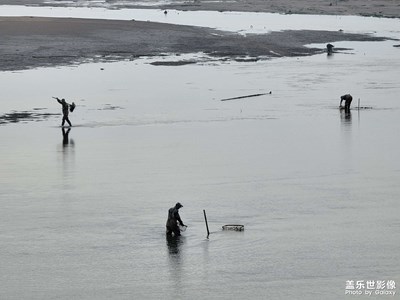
x: 31, y: 42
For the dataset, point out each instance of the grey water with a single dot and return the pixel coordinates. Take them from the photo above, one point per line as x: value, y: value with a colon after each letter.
x: 83, y: 211
x: 245, y: 23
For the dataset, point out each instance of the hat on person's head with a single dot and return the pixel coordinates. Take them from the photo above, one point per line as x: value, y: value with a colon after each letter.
x: 178, y: 205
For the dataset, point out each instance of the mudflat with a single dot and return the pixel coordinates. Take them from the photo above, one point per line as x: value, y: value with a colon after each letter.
x: 29, y: 42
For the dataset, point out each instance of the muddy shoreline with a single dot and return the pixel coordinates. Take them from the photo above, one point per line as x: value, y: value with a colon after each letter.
x: 30, y: 42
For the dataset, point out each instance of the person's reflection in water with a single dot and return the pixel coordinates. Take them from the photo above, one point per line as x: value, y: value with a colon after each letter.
x: 346, y: 127
x: 67, y: 151
x: 174, y: 243
x: 174, y: 247
x: 65, y: 134
x: 345, y: 116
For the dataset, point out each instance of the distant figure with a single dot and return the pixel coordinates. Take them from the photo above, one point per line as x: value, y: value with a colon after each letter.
x: 65, y: 110
x: 329, y: 49
x: 165, y: 12
x: 174, y: 220
x: 347, y: 98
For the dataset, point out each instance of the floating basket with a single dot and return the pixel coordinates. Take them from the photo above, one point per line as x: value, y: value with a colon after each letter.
x: 233, y: 227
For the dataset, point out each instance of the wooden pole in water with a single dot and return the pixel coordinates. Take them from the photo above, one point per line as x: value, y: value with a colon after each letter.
x: 358, y: 103
x: 205, y: 218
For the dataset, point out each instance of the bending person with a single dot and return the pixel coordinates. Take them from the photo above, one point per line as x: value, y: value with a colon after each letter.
x: 347, y: 98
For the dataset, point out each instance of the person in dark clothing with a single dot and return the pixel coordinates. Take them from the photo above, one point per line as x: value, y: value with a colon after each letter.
x: 347, y: 98
x: 174, y: 220
x: 329, y: 49
x: 65, y: 111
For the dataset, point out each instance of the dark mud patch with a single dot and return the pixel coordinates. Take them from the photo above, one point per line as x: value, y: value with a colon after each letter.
x: 24, y: 116
x: 173, y: 63
x: 248, y: 59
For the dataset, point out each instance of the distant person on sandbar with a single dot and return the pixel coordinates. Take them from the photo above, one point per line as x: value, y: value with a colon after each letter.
x: 66, y: 108
x: 174, y: 220
x: 347, y: 101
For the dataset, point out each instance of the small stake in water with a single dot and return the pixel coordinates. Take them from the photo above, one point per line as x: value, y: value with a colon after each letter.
x: 358, y: 103
x: 205, y: 218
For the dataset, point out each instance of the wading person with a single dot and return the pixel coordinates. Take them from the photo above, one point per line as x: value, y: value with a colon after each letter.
x: 65, y: 110
x: 347, y: 101
x: 329, y: 48
x: 174, y: 220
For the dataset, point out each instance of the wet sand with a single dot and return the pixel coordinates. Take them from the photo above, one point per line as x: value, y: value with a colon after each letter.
x: 30, y: 42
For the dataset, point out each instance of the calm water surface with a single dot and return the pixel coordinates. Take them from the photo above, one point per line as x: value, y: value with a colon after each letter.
x: 83, y: 212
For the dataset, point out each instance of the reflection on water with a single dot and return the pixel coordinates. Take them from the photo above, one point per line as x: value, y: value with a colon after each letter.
x: 65, y: 134
x: 68, y: 152
x: 346, y: 127
x: 345, y: 118
x: 174, y: 245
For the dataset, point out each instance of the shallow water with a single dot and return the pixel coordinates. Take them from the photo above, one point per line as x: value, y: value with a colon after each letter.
x: 229, y: 21
x: 317, y: 190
